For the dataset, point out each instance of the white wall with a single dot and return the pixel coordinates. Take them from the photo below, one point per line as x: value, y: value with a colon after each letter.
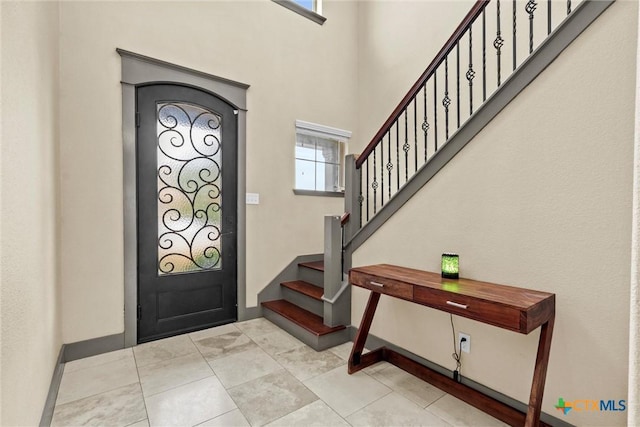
x: 296, y: 69
x: 541, y: 199
x: 31, y: 337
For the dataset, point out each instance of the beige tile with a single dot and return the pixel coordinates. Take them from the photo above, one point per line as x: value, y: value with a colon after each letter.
x: 271, y: 397
x: 413, y: 388
x: 165, y: 349
x: 257, y: 327
x: 343, y: 351
x: 394, y: 410
x: 277, y: 342
x: 242, y: 367
x: 171, y: 373
x: 190, y: 404
x: 120, y: 407
x: 224, y: 345
x: 100, y: 359
x: 456, y: 412
x: 96, y: 379
x: 304, y: 362
x: 346, y: 393
x: 213, y: 332
x: 376, y: 367
x: 230, y: 419
x: 316, y: 414
x: 143, y: 423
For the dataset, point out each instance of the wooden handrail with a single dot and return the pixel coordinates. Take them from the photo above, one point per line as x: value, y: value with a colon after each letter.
x: 345, y: 218
x: 475, y: 11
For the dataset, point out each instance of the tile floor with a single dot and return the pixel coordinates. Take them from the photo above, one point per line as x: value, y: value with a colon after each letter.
x: 248, y: 373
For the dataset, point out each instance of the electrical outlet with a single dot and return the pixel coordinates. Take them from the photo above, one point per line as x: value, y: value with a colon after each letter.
x: 465, y: 345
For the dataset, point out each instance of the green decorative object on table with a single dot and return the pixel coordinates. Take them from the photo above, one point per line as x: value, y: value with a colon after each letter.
x: 450, y: 266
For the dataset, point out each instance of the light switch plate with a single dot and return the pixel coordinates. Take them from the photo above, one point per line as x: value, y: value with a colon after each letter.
x: 253, y: 198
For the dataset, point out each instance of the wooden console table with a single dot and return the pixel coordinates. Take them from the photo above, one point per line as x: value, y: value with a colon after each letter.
x: 519, y: 310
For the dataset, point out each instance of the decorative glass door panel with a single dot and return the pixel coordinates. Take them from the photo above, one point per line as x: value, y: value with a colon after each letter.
x: 189, y: 158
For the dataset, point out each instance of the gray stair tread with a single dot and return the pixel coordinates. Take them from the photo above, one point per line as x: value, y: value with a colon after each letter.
x: 305, y: 288
x: 314, y: 265
x: 301, y: 317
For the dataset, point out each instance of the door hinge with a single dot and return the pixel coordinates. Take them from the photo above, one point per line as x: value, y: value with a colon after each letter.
x: 139, y: 312
x: 137, y: 119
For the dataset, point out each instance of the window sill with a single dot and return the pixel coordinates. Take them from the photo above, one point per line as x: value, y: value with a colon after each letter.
x: 318, y: 193
x: 309, y: 14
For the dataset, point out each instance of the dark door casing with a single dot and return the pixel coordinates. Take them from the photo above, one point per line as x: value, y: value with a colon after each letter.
x: 186, y: 156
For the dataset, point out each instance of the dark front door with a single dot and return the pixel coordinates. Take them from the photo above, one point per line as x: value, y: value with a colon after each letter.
x: 187, y: 205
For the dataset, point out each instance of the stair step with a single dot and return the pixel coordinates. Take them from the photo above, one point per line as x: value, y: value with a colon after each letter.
x: 301, y: 317
x: 314, y: 265
x: 305, y: 288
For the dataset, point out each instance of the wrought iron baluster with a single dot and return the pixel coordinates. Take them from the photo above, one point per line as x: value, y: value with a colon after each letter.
x: 367, y: 163
x: 397, y: 155
x: 360, y: 196
x: 446, y: 101
x: 499, y: 41
x: 514, y: 34
x: 470, y: 73
x: 435, y: 112
x: 457, y: 83
x: 568, y: 7
x: 530, y: 8
x: 389, y: 165
x: 548, y: 17
x: 374, y: 184
x: 415, y: 132
x: 406, y: 147
x: 425, y: 124
x: 382, y: 172
x: 484, y: 55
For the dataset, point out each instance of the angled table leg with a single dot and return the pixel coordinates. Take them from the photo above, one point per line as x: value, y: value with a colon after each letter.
x: 356, y: 361
x: 539, y: 374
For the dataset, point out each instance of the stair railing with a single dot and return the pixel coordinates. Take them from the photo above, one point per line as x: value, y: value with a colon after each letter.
x: 436, y: 106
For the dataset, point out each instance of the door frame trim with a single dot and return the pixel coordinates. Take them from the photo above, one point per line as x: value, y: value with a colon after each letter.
x: 139, y: 69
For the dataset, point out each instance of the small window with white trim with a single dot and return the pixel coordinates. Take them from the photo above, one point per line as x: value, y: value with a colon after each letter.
x: 313, y: 5
x: 319, y: 155
x: 311, y: 9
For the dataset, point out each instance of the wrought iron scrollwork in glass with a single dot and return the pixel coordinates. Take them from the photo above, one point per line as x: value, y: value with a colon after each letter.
x: 189, y: 159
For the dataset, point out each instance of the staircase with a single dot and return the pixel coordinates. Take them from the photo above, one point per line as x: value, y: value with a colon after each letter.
x: 301, y: 309
x: 435, y: 120
x: 310, y: 298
